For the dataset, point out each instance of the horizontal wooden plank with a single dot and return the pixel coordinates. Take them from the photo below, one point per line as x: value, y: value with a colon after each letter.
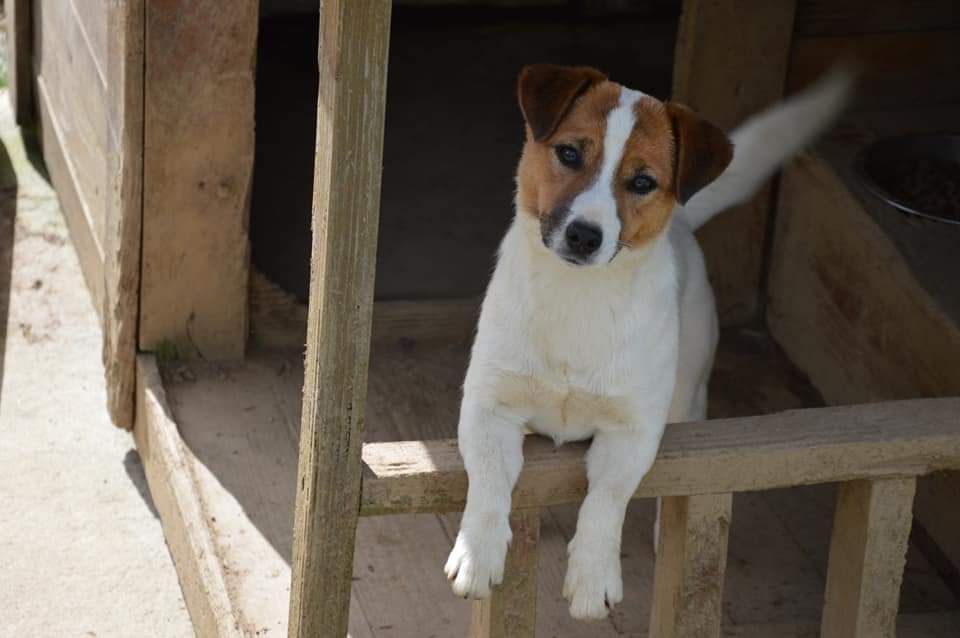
x: 279, y: 320
x: 798, y: 447
x: 175, y: 494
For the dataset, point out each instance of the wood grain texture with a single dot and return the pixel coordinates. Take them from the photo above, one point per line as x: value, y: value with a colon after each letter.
x: 511, y: 609
x: 717, y: 75
x: 63, y: 176
x: 868, y: 548
x: 124, y: 205
x: 175, y: 496
x: 350, y: 116
x: 691, y: 566
x: 76, y: 95
x: 20, y: 59
x: 845, y: 305
x: 799, y: 447
x: 199, y: 141
x: 854, y: 315
x: 71, y: 103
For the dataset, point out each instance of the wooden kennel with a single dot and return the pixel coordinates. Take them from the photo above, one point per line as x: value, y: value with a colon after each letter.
x: 146, y: 114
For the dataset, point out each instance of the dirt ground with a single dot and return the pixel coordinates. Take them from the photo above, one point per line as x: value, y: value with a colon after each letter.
x: 81, y: 549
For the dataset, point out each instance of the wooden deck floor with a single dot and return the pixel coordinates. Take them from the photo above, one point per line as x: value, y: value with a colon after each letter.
x: 240, y: 426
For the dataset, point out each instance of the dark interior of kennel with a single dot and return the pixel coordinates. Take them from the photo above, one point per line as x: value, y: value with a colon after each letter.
x: 453, y: 134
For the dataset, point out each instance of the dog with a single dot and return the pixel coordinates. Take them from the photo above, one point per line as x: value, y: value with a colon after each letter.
x: 599, y: 321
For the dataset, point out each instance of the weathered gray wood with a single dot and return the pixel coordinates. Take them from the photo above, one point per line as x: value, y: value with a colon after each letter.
x: 868, y: 548
x: 716, y: 73
x: 197, y: 175
x: 511, y: 609
x: 897, y: 438
x: 71, y: 104
x: 124, y: 204
x: 350, y: 114
x: 175, y: 496
x: 19, y: 59
x: 691, y: 565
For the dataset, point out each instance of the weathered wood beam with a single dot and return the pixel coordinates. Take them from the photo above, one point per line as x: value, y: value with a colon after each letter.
x: 799, y: 447
x: 691, y: 564
x: 868, y: 550
x: 346, y: 207
x: 511, y: 609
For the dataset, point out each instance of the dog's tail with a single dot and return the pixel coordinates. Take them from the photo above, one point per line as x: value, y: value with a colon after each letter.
x: 767, y: 140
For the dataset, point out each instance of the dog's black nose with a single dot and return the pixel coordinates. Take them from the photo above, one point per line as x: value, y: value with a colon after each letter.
x: 583, y: 239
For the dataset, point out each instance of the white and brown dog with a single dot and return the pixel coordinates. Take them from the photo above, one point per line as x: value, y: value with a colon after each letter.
x: 599, y: 320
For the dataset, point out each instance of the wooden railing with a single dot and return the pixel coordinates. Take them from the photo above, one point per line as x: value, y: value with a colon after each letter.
x: 876, y: 451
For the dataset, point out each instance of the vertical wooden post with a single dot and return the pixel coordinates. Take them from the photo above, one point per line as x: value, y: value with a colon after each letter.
x: 124, y: 205
x: 868, y: 551
x: 716, y: 72
x: 511, y: 610
x: 691, y: 564
x: 346, y: 201
x: 198, y: 137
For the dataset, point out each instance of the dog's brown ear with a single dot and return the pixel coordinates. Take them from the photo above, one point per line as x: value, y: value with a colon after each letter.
x: 547, y: 91
x: 701, y: 151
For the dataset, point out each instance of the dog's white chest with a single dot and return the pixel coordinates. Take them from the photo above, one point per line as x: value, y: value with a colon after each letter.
x: 576, y: 354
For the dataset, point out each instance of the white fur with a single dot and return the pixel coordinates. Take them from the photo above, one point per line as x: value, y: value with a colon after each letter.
x: 611, y: 351
x: 597, y: 204
x: 767, y: 140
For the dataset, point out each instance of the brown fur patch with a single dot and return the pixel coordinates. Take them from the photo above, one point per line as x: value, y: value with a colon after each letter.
x: 544, y: 185
x: 648, y: 150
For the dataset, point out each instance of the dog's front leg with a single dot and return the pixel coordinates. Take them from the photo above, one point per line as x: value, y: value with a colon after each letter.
x: 616, y: 461
x: 491, y: 443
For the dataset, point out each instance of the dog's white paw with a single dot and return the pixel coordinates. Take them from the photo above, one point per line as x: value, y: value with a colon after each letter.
x: 593, y: 584
x: 476, y: 562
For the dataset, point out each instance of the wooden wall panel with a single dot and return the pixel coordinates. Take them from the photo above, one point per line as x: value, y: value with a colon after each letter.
x: 199, y: 137
x: 72, y: 97
x: 718, y: 75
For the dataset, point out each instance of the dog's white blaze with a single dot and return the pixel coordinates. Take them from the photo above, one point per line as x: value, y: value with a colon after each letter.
x: 598, y: 204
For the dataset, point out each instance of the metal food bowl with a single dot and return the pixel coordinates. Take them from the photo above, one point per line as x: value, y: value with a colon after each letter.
x: 918, y: 174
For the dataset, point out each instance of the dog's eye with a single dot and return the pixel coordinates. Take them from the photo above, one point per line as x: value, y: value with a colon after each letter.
x: 641, y: 184
x: 569, y: 156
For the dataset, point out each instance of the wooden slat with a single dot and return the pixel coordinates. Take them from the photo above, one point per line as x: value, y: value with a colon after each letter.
x: 868, y: 549
x: 716, y: 73
x: 175, y: 495
x: 124, y: 205
x: 94, y: 18
x: 691, y: 565
x: 897, y: 438
x: 279, y: 320
x: 63, y: 176
x: 20, y: 59
x: 511, y: 609
x: 199, y: 141
x: 76, y: 96
x: 350, y: 115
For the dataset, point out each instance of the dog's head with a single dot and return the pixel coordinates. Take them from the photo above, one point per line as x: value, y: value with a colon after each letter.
x: 603, y: 166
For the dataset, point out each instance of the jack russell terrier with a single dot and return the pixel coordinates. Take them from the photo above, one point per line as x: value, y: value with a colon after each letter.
x: 599, y: 320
